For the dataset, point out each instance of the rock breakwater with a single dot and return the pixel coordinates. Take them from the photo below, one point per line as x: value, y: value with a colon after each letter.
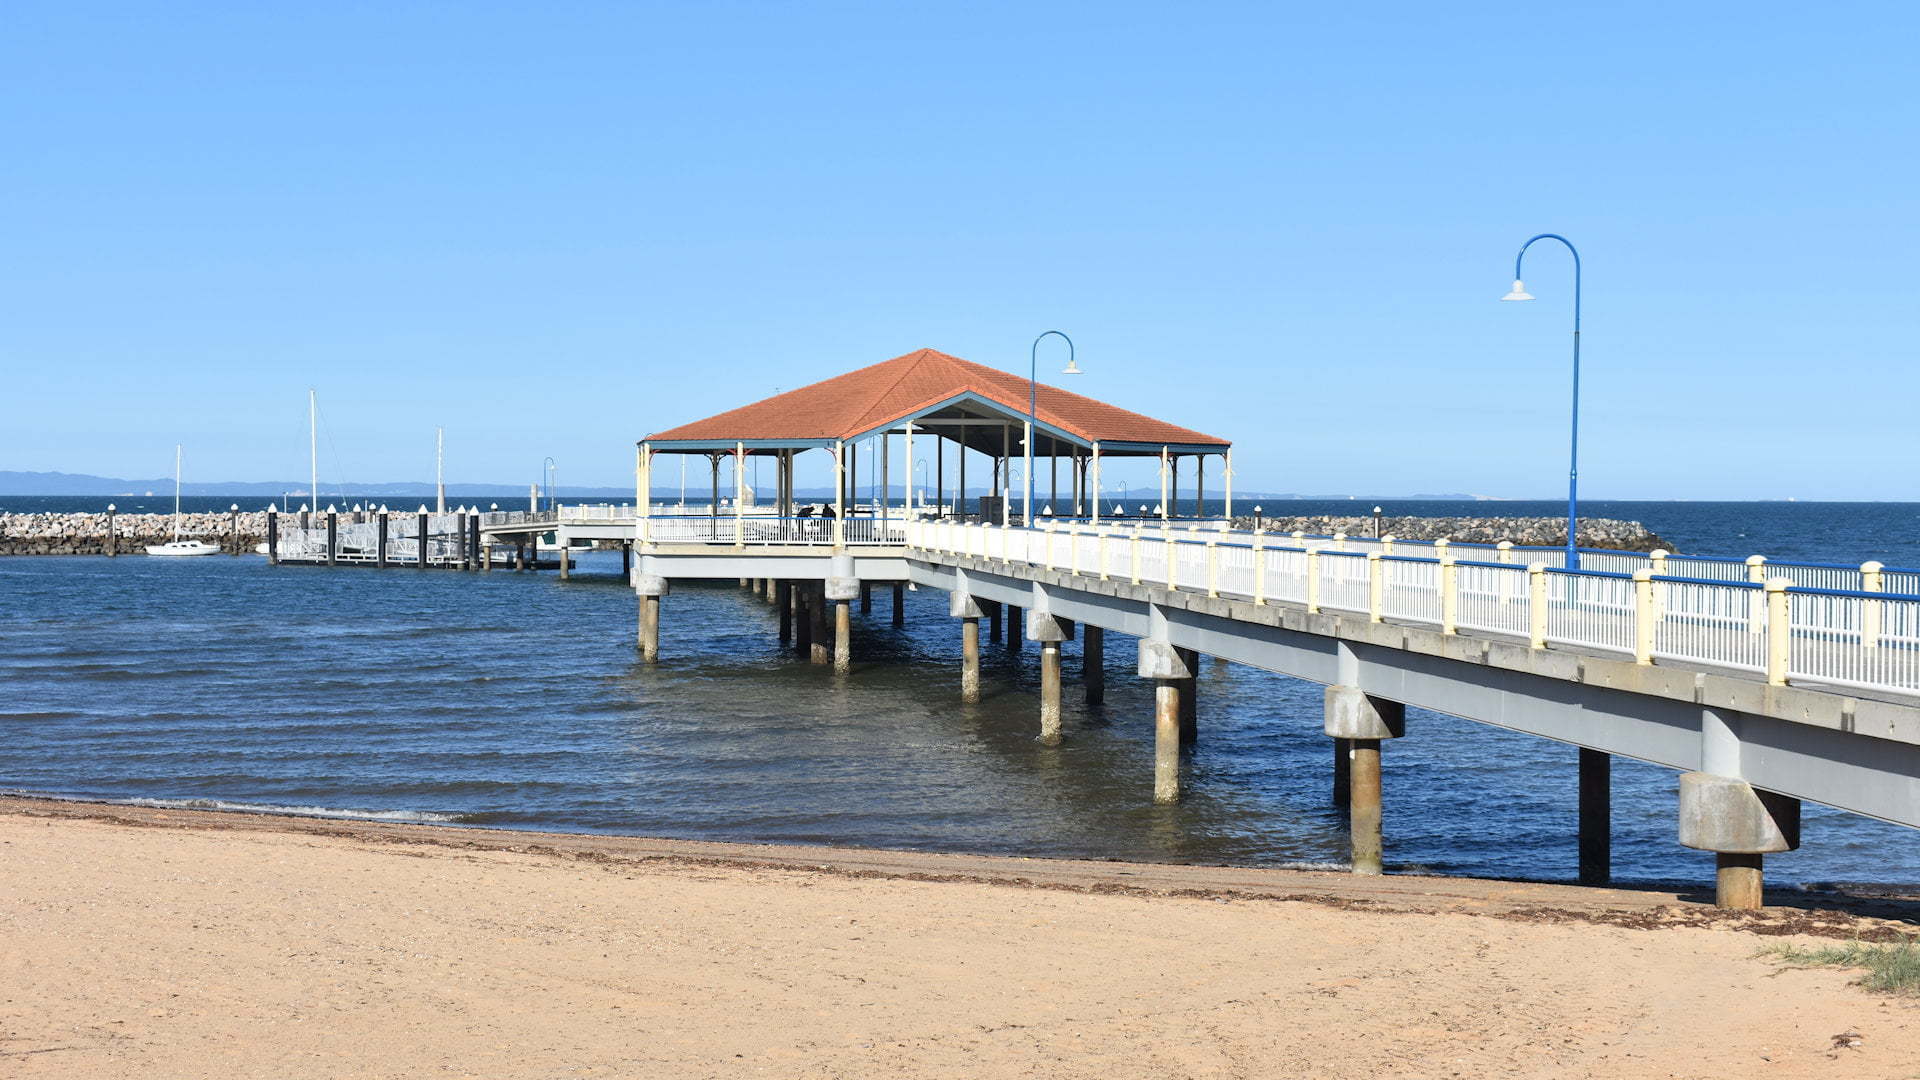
x: 86, y: 534
x: 1605, y: 533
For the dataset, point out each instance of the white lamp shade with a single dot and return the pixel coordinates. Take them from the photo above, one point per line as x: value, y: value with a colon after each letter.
x: 1519, y: 292
x: 1072, y: 368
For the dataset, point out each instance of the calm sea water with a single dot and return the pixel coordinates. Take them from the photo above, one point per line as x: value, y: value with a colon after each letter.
x: 515, y: 701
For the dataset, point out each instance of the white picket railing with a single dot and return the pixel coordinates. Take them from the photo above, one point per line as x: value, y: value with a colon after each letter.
x: 1787, y: 626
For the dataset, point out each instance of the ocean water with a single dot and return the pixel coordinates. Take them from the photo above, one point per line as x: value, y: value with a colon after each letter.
x: 515, y: 700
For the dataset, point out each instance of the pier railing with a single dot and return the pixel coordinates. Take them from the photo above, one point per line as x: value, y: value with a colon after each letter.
x: 1777, y: 627
x: 775, y: 531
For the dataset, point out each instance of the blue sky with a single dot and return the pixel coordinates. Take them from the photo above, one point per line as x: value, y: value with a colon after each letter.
x: 552, y: 228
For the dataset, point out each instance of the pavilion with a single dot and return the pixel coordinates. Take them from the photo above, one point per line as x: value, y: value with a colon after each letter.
x: 929, y: 394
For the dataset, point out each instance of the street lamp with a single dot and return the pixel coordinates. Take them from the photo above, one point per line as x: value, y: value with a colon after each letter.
x: 553, y: 501
x: 1573, y: 461
x: 1033, y: 416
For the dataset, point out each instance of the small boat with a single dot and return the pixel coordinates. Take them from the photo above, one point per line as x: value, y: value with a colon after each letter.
x: 177, y: 546
x: 183, y: 547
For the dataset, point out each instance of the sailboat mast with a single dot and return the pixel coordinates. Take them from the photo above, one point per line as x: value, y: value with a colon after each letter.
x: 313, y: 447
x: 176, y: 491
x: 440, y: 470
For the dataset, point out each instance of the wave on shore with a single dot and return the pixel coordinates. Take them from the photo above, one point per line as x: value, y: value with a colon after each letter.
x: 418, y: 817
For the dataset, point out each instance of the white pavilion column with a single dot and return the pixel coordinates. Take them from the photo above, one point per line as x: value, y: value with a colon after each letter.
x: 739, y: 493
x: 910, y: 473
x: 643, y: 493
x: 1093, y: 481
x: 1164, y: 508
x: 1229, y: 475
x: 839, y: 494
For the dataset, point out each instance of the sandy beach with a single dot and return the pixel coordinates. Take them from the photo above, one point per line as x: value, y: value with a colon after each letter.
x: 163, y: 943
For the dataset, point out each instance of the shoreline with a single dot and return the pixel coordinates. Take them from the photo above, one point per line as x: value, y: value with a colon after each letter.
x: 1866, y: 911
x: 141, y: 942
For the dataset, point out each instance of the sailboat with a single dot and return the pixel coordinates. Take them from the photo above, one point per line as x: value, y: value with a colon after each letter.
x: 177, y: 546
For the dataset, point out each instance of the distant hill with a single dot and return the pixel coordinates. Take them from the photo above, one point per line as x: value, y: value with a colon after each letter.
x: 59, y: 483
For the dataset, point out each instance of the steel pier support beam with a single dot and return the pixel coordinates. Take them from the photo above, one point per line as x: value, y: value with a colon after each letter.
x: 1093, y: 663
x: 1596, y: 817
x: 783, y: 603
x: 802, y: 593
x: 1353, y: 714
x: 822, y: 623
x: 1342, y: 771
x: 1190, y: 698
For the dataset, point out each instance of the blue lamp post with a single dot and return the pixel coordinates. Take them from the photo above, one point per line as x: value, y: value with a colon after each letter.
x: 1033, y: 416
x: 1573, y: 467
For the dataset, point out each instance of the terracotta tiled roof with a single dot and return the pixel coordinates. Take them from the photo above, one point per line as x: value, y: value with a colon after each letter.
x: 861, y: 401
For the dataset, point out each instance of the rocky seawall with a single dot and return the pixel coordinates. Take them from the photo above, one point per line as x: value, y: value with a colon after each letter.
x: 1606, y: 533
x: 86, y: 534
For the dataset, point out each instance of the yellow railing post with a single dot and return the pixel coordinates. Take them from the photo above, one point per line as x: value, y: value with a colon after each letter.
x: 1537, y: 605
x: 1259, y: 568
x: 1645, y: 617
x: 1213, y: 566
x: 1449, y: 594
x: 1313, y: 581
x: 1657, y: 563
x: 1757, y: 573
x: 1339, y: 541
x: 1505, y: 548
x: 1100, y: 550
x: 1779, y: 630
x: 1870, y: 609
x: 1049, y: 530
x: 1386, y: 544
x: 1133, y: 554
x: 1166, y: 532
x: 1376, y: 585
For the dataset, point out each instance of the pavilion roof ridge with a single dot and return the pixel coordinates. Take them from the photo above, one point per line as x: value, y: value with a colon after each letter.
x: 873, y: 397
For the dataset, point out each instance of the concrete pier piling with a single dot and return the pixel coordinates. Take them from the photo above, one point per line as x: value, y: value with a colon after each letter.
x: 1167, y: 666
x: 1596, y: 817
x: 650, y: 586
x: 486, y: 558
x: 843, y: 636
x: 1740, y: 824
x: 1166, y: 741
x: 783, y: 604
x: 964, y: 607
x: 1363, y: 804
x: 842, y: 588
x: 421, y: 538
x: 1093, y: 663
x: 1049, y: 631
x: 1365, y: 721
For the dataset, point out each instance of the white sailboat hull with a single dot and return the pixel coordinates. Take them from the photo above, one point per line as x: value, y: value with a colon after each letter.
x: 183, y: 547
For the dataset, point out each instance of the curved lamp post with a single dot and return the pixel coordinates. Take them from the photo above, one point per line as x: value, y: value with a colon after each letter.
x: 1033, y: 416
x: 1573, y: 461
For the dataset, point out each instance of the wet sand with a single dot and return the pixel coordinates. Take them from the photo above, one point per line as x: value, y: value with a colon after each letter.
x: 166, y: 943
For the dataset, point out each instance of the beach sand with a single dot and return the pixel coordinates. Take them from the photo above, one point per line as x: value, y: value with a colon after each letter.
x: 159, y: 943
